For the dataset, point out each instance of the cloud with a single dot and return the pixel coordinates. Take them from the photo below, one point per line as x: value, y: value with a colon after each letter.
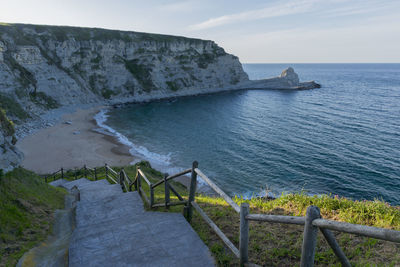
x: 375, y: 41
x: 180, y: 6
x: 289, y: 8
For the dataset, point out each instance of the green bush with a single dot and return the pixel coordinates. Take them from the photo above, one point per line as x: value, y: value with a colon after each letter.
x: 107, y: 93
x: 142, y: 74
x: 12, y: 107
x: 172, y: 86
x: 6, y: 125
x: 40, y: 98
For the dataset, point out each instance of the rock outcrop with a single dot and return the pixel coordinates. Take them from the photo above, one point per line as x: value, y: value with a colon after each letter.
x: 288, y: 80
x: 47, y: 67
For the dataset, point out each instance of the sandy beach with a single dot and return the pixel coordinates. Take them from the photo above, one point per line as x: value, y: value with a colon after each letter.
x: 72, y: 145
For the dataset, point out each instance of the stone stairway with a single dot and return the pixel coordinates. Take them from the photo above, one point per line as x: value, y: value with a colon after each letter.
x: 113, y: 229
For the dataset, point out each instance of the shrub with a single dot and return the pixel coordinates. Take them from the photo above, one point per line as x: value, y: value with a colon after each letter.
x: 142, y: 74
x: 6, y: 124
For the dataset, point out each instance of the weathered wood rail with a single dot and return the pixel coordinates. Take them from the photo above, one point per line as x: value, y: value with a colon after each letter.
x: 312, y: 221
x: 167, y: 189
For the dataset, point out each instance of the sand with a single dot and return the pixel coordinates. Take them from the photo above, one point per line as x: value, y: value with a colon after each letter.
x: 72, y: 145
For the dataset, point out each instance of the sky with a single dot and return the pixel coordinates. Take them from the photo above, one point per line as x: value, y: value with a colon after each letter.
x: 257, y: 31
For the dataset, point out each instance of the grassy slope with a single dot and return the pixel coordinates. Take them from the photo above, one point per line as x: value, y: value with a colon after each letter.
x: 279, y: 244
x: 26, y: 213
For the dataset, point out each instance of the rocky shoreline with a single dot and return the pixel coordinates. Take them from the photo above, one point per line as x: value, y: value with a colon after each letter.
x: 55, y: 116
x: 49, y: 71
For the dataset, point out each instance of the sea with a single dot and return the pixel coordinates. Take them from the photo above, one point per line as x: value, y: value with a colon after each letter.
x: 341, y: 139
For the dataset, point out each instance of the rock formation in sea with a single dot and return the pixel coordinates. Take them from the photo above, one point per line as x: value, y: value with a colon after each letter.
x: 46, y: 67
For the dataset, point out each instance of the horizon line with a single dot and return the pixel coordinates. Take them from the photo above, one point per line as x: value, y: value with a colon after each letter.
x: 320, y: 62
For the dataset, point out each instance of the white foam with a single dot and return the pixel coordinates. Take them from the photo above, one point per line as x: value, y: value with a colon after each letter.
x: 158, y: 161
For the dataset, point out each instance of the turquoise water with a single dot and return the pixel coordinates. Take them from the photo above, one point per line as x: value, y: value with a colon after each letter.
x: 343, y: 138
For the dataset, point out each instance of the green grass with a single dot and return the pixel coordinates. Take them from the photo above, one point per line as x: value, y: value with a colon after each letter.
x: 374, y: 213
x: 26, y: 213
x: 280, y: 244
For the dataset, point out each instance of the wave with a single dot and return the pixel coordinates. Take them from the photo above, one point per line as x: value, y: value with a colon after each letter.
x: 157, y: 161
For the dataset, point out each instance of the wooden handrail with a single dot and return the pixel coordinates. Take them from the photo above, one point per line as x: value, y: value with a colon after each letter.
x: 175, y: 192
x: 276, y: 218
x: 172, y: 177
x: 54, y: 173
x: 126, y: 176
x: 144, y: 177
x: 312, y: 221
x: 357, y: 229
x: 218, y: 190
x: 114, y: 172
x: 218, y: 231
x: 109, y: 177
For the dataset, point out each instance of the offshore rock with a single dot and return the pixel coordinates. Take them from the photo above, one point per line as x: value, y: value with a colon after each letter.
x: 288, y: 80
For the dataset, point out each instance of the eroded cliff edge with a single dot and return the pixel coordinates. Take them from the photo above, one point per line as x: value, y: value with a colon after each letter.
x: 46, y: 67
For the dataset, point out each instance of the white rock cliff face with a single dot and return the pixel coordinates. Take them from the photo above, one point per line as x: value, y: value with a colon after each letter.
x: 46, y: 67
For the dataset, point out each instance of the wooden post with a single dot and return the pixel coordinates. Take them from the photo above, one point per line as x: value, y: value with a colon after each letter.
x: 192, y: 192
x: 310, y: 237
x: 95, y: 174
x: 76, y: 175
x: 139, y: 184
x: 121, y: 179
x: 151, y: 195
x: 85, y: 170
x: 62, y: 173
x: 330, y: 238
x: 105, y: 167
x: 136, y: 179
x: 244, y: 234
x: 167, y: 195
x: 76, y: 193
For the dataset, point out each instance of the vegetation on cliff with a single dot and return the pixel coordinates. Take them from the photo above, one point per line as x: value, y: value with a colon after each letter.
x: 27, y: 205
x: 110, y: 63
x: 7, y: 126
x: 63, y: 33
x: 12, y: 107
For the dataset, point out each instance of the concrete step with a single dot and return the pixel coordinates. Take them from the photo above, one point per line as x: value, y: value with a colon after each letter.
x: 78, y: 183
x: 150, y: 239
x: 112, y: 208
x: 58, y: 182
x: 113, y: 229
x: 98, y: 192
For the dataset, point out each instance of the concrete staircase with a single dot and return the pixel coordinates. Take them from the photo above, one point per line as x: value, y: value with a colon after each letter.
x: 113, y: 229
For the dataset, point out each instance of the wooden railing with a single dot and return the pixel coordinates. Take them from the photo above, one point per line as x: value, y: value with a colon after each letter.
x: 87, y: 172
x: 167, y: 189
x: 312, y: 221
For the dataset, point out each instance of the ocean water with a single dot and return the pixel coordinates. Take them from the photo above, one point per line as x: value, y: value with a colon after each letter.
x: 343, y: 138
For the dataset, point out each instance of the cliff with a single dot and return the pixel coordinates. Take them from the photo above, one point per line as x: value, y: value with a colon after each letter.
x: 47, y: 67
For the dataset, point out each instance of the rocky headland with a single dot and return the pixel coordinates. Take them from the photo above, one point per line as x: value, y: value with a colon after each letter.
x: 46, y: 71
